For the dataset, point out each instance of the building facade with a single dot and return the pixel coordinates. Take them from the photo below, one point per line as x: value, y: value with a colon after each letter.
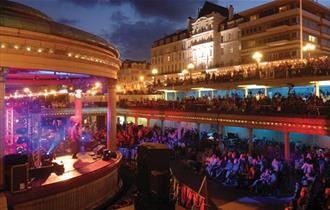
x: 133, y: 75
x: 218, y: 37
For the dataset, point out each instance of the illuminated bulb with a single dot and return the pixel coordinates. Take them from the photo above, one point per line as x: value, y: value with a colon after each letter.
x: 26, y: 90
x: 98, y: 84
x: 39, y: 50
x: 3, y: 46
x: 76, y: 56
x: 69, y: 54
x: 50, y: 51
x: 16, y: 47
x: 28, y: 48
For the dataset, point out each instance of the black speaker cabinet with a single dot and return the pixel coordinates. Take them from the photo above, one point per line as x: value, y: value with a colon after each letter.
x: 16, y: 172
x: 19, y: 178
x: 151, y: 157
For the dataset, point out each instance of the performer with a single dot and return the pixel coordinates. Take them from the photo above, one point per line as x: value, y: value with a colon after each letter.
x: 75, y: 139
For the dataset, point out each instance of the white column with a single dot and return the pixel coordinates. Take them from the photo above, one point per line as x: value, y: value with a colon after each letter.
x: 111, y: 116
x: 266, y: 91
x: 246, y: 93
x: 317, y: 89
x: 2, y: 122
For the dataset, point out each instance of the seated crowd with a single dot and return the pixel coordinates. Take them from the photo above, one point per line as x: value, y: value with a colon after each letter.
x: 272, y: 70
x: 264, y: 171
x: 259, y: 104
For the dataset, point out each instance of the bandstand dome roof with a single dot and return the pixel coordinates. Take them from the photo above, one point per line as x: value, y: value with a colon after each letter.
x: 19, y: 16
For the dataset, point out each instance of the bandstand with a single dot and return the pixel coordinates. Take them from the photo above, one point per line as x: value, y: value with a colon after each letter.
x: 40, y: 58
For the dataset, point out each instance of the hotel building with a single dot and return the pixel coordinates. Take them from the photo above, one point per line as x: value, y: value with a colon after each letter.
x: 218, y: 37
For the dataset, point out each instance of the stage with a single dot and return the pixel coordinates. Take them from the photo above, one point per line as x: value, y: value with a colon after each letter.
x: 86, y: 183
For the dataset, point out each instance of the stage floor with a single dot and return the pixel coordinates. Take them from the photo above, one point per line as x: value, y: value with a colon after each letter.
x: 85, y: 163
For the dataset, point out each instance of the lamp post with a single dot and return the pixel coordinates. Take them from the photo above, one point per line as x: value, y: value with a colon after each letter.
x: 190, y: 67
x: 257, y: 57
x: 308, y: 48
x: 141, y: 80
x: 185, y: 72
x: 154, y: 72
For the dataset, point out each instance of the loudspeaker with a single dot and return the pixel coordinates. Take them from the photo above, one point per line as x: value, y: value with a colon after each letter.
x: 159, y: 183
x: 16, y: 172
x: 152, y: 157
x: 19, y: 178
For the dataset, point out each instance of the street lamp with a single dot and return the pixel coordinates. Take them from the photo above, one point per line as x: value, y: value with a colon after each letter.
x: 257, y: 56
x: 154, y: 72
x: 190, y: 66
x: 309, y: 47
x: 184, y: 72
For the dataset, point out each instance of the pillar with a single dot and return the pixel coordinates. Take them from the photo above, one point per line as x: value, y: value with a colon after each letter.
x: 78, y: 107
x: 317, y: 89
x: 148, y: 122
x: 266, y: 91
x: 165, y: 95
x: 111, y: 115
x: 250, y: 143
x: 286, y: 146
x: 2, y: 123
x: 199, y: 130
x: 246, y: 92
x: 221, y: 130
x: 199, y: 93
x: 179, y: 129
x: 212, y: 93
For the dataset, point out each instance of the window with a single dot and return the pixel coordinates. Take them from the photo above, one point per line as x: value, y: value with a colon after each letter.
x: 312, y: 38
x: 283, y: 8
x: 231, y: 49
x: 229, y: 36
x: 253, y: 17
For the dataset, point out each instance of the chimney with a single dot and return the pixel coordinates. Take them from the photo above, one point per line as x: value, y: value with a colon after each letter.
x: 230, y: 12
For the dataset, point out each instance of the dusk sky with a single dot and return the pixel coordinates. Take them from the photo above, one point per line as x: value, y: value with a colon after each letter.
x: 131, y: 25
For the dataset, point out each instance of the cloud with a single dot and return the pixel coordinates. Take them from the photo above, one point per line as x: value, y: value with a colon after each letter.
x: 68, y: 21
x: 134, y: 40
x: 92, y: 3
x: 175, y: 10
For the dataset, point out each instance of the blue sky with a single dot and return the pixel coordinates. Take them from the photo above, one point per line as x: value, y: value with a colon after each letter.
x: 131, y: 25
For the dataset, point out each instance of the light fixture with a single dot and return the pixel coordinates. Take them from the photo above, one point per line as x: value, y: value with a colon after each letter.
x: 16, y: 47
x: 98, y: 84
x: 257, y: 56
x: 154, y: 71
x: 70, y: 54
x: 40, y: 50
x: 141, y: 78
x: 26, y: 90
x: 28, y: 48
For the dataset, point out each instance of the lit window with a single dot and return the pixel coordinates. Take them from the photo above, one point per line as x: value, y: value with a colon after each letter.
x: 312, y: 38
x: 283, y: 8
x: 253, y: 17
x: 231, y: 49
